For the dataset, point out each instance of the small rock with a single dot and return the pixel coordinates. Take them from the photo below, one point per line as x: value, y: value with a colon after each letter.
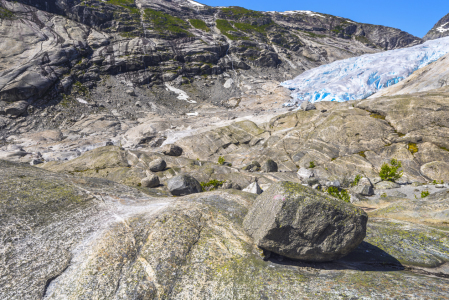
x: 157, y: 165
x: 398, y: 194
x: 172, y: 150
x: 138, y: 104
x: 252, y: 167
x: 253, y: 188
x: 16, y: 108
x: 364, y: 190
x: 109, y: 144
x: 440, y: 186
x: 130, y: 92
x: 386, y: 185
x: 305, y: 106
x: 334, y: 183
x: 270, y: 166
x: 301, y: 223
x: 151, y: 181
x: 34, y: 162
x: 228, y: 184
x: 305, y: 174
x: 183, y: 185
x: 365, y: 181
x: 316, y: 186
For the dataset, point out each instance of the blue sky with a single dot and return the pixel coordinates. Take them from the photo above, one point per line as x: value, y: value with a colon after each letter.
x: 414, y: 16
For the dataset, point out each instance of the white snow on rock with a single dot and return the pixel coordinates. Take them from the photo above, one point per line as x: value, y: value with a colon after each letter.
x: 181, y: 94
x: 360, y: 77
x: 442, y: 29
x: 195, y: 3
x: 304, y: 12
x: 81, y: 101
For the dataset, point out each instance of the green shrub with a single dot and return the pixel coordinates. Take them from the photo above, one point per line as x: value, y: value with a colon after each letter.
x: 214, y: 183
x: 237, y: 12
x: 5, y: 14
x: 424, y: 194
x: 342, y: 195
x: 384, y: 195
x: 165, y: 23
x: 128, y: 4
x: 221, y: 160
x: 356, y: 180
x: 390, y: 172
x: 312, y: 165
x: 199, y: 24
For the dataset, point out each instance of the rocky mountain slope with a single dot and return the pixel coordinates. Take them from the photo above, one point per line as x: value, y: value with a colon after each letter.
x: 81, y: 57
x: 441, y: 29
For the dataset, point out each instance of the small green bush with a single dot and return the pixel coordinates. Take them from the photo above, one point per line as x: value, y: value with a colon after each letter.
x: 384, y: 195
x: 356, y: 180
x: 312, y: 165
x: 342, y: 195
x: 390, y: 172
x: 221, y: 160
x: 215, y: 183
x: 199, y: 24
x: 424, y: 194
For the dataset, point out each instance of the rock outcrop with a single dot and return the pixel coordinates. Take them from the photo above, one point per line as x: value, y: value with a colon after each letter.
x: 301, y: 223
x: 441, y: 29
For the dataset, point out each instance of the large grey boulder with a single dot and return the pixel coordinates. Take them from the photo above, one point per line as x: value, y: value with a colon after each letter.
x: 157, y: 165
x: 270, y: 166
x: 16, y: 108
x: 183, y: 185
x: 364, y: 187
x: 301, y: 223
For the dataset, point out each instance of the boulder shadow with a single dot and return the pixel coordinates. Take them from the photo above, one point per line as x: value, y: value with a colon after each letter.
x: 366, y: 257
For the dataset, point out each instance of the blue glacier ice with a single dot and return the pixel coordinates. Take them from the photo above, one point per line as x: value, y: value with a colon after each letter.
x: 360, y: 77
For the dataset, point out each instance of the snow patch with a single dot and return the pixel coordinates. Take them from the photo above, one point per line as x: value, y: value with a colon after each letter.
x: 442, y: 29
x: 195, y: 3
x: 181, y: 94
x: 81, y: 101
x: 360, y: 77
x: 192, y: 114
x: 304, y: 12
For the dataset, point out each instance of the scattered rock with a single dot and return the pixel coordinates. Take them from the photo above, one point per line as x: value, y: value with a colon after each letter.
x: 440, y: 186
x: 34, y: 162
x: 305, y: 174
x: 150, y: 181
x: 130, y: 92
x: 305, y: 106
x: 301, y: 223
x: 252, y: 167
x: 172, y: 150
x: 157, y: 165
x: 230, y: 185
x: 398, y: 194
x: 364, y: 190
x: 183, y: 185
x: 386, y: 185
x: 16, y: 108
x: 334, y: 183
x: 253, y: 188
x: 270, y: 166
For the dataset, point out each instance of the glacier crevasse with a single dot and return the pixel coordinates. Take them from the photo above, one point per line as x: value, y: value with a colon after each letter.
x: 359, y: 77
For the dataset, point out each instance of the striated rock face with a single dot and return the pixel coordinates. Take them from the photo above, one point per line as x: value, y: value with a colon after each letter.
x: 301, y: 223
x: 89, y: 53
x: 441, y: 29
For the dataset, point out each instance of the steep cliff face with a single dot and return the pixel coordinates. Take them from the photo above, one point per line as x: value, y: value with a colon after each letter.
x: 67, y: 49
x: 441, y: 29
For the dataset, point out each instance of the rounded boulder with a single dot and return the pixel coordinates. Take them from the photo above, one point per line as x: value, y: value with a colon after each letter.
x: 299, y: 222
x: 183, y: 185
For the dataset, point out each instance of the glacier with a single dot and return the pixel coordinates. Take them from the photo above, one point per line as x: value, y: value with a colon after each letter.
x: 359, y: 77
